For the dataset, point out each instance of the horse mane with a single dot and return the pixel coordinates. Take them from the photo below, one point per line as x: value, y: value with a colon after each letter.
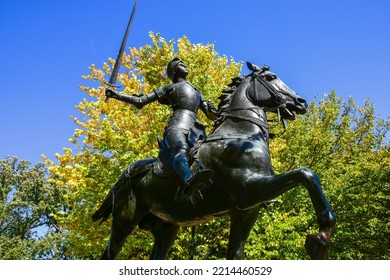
x: 228, y: 93
x: 225, y: 99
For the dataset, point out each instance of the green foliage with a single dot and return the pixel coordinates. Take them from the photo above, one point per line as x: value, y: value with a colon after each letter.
x: 344, y: 144
x: 27, y: 201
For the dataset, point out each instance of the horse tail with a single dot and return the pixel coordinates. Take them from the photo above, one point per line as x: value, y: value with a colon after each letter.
x: 104, y: 211
x: 122, y: 189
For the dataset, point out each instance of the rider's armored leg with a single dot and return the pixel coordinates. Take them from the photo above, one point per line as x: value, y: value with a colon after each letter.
x: 191, y: 183
x: 181, y: 166
x: 177, y: 144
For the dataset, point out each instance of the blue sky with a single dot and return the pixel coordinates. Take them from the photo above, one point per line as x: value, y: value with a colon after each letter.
x: 314, y: 46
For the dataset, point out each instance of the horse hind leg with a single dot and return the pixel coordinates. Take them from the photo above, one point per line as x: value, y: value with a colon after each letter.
x: 121, y: 227
x: 117, y: 239
x: 241, y: 224
x: 164, y: 236
x: 123, y: 222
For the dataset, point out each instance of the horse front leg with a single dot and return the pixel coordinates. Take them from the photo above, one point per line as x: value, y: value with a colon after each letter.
x: 263, y: 188
x: 241, y: 223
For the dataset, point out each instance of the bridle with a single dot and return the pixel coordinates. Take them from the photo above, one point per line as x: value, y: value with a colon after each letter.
x: 259, y: 120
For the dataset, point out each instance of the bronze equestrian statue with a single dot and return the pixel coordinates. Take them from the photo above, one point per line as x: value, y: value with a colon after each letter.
x: 242, y: 180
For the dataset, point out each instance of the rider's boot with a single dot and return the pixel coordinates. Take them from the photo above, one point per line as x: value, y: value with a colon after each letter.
x: 191, y: 183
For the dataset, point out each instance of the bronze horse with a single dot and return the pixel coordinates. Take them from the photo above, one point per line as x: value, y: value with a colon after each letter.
x: 237, y: 151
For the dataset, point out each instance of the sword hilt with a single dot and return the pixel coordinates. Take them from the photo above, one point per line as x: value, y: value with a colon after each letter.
x: 110, y: 86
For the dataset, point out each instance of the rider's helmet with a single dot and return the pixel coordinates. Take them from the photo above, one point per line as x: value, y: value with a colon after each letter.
x: 171, y: 67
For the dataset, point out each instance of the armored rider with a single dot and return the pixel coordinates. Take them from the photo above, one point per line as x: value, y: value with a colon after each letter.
x: 185, y: 101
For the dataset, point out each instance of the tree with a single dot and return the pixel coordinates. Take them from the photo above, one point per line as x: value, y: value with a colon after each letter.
x: 27, y: 201
x: 345, y: 145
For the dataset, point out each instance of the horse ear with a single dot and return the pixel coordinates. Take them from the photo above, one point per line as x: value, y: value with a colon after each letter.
x: 253, y: 67
x: 250, y: 65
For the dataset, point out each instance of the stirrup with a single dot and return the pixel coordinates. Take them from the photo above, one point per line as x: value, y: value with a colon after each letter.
x: 201, y: 179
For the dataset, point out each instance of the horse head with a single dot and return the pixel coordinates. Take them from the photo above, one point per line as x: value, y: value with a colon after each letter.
x: 276, y: 95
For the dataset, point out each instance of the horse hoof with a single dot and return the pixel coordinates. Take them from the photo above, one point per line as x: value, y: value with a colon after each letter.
x: 316, y: 247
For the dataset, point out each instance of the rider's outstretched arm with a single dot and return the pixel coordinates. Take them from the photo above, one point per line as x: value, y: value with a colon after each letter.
x: 137, y: 101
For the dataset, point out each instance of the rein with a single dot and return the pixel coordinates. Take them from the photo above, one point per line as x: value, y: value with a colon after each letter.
x: 234, y: 114
x: 212, y: 138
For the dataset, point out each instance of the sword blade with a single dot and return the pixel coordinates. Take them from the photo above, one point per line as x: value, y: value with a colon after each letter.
x: 118, y: 61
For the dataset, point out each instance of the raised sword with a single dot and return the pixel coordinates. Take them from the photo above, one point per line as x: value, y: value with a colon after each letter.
x: 118, y: 61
